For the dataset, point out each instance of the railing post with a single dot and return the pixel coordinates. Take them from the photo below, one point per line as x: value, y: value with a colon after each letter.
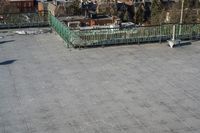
x: 174, y: 30
x: 181, y: 17
x: 160, y: 33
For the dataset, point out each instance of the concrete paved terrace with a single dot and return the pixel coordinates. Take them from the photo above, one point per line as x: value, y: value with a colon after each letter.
x: 47, y: 88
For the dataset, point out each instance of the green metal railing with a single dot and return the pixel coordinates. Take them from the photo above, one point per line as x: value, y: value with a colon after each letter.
x: 22, y: 20
x: 70, y: 37
x: 137, y: 35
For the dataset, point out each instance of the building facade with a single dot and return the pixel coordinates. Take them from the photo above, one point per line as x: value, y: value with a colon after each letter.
x: 22, y: 5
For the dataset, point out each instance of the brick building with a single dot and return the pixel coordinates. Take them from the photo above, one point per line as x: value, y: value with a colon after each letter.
x: 23, y: 5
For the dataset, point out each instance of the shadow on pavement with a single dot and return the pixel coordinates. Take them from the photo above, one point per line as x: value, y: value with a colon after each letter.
x: 183, y: 43
x: 2, y: 42
x: 7, y: 62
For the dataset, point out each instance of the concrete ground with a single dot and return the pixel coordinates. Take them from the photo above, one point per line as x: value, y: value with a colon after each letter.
x: 47, y: 88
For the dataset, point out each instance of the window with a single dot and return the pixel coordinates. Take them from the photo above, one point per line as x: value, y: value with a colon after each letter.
x: 29, y: 4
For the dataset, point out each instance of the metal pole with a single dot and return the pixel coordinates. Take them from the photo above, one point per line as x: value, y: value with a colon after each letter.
x: 160, y: 40
x: 174, y: 30
x: 181, y: 18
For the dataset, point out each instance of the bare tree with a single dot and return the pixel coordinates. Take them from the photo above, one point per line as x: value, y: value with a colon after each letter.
x: 190, y: 12
x: 157, y: 13
x: 173, y: 13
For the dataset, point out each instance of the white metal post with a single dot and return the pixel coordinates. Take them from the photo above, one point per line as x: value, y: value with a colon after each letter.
x: 174, y: 29
x: 181, y: 18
